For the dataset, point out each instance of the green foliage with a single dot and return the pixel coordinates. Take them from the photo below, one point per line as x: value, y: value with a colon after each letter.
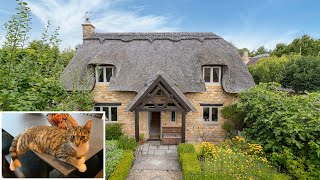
x: 123, y: 167
x: 304, y: 46
x: 302, y: 74
x: 112, y: 159
x: 233, y: 120
x: 260, y: 50
x: 269, y: 69
x: 189, y: 165
x: 113, y: 131
x: 287, y: 126
x: 30, y: 72
x: 111, y: 145
x: 127, y: 143
x: 185, y: 148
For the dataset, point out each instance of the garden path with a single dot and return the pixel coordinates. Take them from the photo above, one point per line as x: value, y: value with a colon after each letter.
x: 155, y: 162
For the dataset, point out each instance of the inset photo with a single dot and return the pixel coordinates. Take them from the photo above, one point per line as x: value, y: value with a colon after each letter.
x: 52, y: 145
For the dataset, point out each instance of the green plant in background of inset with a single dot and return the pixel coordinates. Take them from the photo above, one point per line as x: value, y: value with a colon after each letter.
x: 127, y: 143
x: 113, y: 131
x: 123, y: 167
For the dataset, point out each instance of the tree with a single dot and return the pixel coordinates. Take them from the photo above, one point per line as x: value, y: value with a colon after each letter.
x: 261, y: 50
x: 269, y: 69
x: 302, y: 74
x: 31, y: 71
x: 304, y: 46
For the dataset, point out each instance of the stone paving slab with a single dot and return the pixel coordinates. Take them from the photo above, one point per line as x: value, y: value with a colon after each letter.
x: 154, y: 175
x: 156, y: 163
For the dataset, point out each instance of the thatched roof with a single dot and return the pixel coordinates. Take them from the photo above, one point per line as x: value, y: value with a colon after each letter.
x: 138, y: 56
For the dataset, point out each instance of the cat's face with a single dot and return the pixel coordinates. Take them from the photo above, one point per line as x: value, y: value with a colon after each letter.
x: 80, y: 134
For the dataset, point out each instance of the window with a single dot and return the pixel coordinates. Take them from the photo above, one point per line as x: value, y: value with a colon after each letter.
x: 210, y: 114
x: 173, y: 116
x: 103, y: 74
x: 212, y: 74
x: 111, y: 112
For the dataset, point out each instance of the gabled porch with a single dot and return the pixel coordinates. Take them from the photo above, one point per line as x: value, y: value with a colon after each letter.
x: 172, y: 100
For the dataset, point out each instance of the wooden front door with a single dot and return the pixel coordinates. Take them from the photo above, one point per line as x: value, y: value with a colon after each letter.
x: 155, y: 125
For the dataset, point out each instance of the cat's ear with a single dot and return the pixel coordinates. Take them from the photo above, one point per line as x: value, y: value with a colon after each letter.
x: 88, y: 125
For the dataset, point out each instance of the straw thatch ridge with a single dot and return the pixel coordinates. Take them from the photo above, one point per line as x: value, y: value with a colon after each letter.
x: 138, y: 56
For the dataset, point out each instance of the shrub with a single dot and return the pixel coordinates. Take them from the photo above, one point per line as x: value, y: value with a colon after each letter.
x: 302, y: 74
x: 127, y: 143
x: 233, y: 120
x: 288, y: 127
x: 185, y: 148
x: 269, y: 69
x: 189, y: 165
x: 123, y: 167
x: 113, y: 131
x: 111, y: 145
x: 112, y: 159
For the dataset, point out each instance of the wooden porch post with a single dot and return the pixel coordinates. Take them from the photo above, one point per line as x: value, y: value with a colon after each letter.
x: 183, y: 128
x: 136, y: 124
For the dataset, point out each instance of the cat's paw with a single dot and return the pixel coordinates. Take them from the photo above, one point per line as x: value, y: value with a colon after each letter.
x: 82, y: 168
x: 12, y: 166
x: 82, y: 160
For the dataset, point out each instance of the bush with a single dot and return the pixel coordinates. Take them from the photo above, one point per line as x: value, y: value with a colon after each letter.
x: 269, y: 69
x: 113, y: 131
x: 112, y: 159
x: 123, y: 167
x: 302, y: 74
x: 288, y: 127
x: 189, y: 165
x: 111, y: 145
x: 127, y: 143
x: 233, y: 120
x: 185, y: 148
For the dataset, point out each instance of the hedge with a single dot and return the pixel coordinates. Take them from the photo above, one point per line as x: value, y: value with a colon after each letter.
x: 123, y: 167
x: 189, y: 165
x: 185, y: 148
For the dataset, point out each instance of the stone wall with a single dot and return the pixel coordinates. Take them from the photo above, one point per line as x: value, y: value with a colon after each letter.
x: 196, y: 129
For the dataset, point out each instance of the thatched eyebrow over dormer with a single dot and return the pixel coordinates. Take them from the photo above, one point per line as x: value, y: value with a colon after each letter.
x: 138, y: 56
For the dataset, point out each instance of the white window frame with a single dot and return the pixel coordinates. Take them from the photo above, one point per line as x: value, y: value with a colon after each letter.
x: 104, y: 72
x: 109, y: 111
x: 211, y: 74
x: 175, y: 117
x: 210, y: 114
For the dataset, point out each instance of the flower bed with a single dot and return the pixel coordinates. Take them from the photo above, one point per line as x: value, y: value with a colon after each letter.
x: 234, y: 159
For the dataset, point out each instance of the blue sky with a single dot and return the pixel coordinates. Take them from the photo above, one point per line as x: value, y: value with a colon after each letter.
x: 245, y: 23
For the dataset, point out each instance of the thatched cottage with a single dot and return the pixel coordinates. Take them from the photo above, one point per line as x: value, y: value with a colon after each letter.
x: 168, y: 86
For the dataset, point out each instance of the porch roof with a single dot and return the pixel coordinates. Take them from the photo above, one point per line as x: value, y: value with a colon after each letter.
x: 169, y: 84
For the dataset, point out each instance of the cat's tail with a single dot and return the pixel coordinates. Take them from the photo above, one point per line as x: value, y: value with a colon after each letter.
x: 15, y: 162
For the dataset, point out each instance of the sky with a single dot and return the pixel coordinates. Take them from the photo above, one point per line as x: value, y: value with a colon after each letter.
x: 244, y: 23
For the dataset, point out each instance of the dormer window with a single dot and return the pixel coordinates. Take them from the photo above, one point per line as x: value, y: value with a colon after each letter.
x: 103, y: 74
x: 212, y: 74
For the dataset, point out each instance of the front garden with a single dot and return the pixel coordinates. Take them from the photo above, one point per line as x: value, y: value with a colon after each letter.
x: 119, y: 153
x: 232, y: 159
